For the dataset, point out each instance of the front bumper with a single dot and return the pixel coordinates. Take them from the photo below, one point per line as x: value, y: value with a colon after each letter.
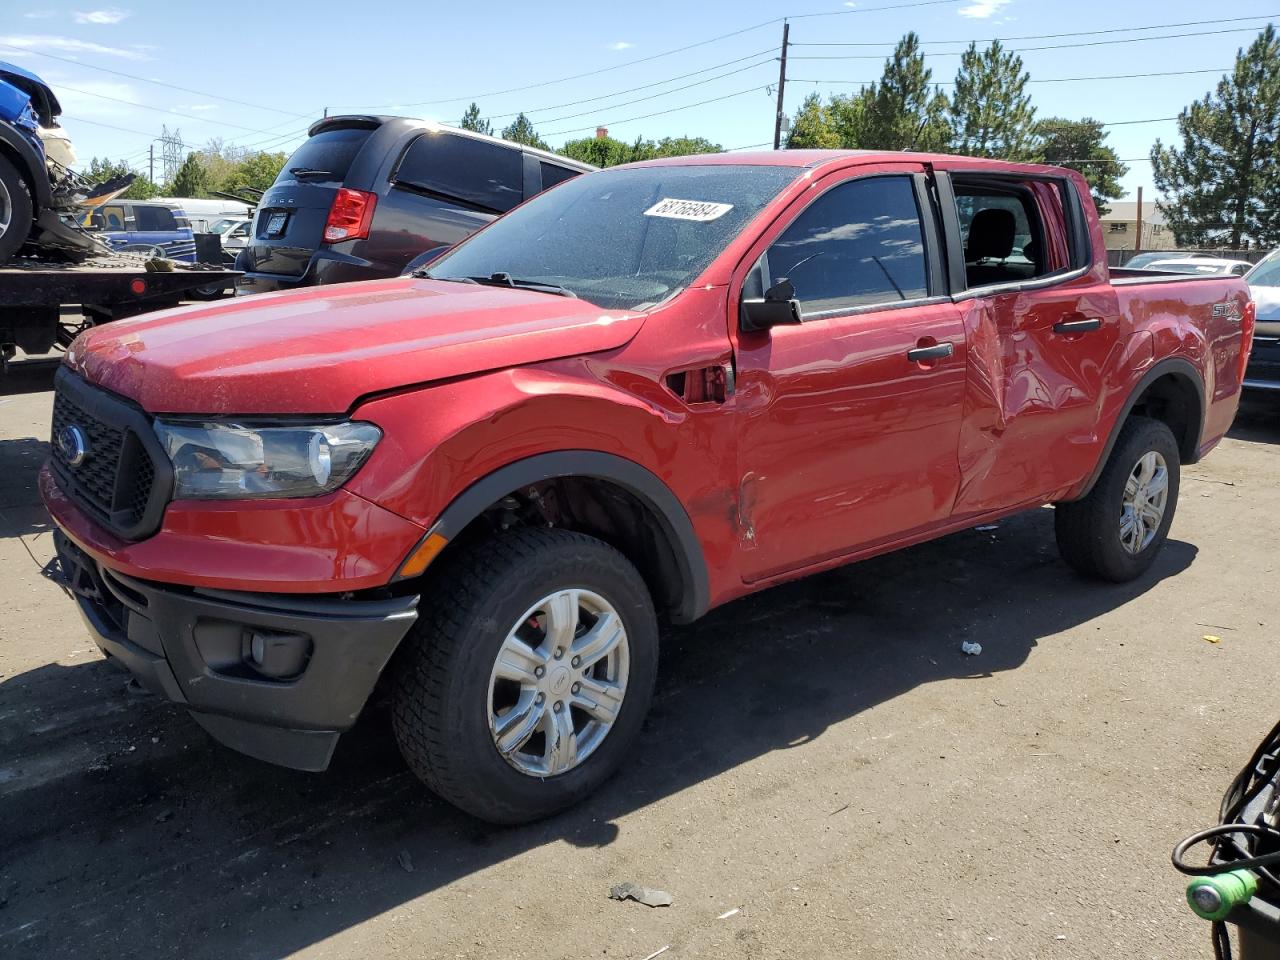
x: 195, y: 648
x: 1263, y: 370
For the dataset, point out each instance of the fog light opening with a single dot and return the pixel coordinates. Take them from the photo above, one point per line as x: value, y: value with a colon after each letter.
x: 279, y: 656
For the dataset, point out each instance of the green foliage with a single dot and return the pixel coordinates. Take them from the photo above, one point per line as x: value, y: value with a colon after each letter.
x: 899, y: 112
x: 101, y: 170
x: 1222, y: 186
x: 471, y: 120
x: 257, y: 171
x: 521, y: 131
x: 192, y: 178
x: 1079, y: 145
x: 991, y: 111
x: 609, y: 152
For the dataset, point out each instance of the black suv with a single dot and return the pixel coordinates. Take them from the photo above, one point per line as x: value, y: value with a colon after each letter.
x: 366, y: 195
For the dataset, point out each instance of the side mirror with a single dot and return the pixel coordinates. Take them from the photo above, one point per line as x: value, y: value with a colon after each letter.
x: 778, y: 307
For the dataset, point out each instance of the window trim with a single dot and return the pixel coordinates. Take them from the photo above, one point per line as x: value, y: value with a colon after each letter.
x: 928, y: 238
x: 1079, y: 241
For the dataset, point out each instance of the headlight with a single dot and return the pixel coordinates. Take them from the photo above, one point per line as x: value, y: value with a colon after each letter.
x: 232, y: 461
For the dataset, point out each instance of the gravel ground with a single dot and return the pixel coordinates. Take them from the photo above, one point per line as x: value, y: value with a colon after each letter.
x: 821, y: 758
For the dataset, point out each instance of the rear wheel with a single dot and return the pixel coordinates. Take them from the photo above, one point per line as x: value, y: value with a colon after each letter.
x: 16, y: 210
x: 1116, y: 531
x: 528, y: 677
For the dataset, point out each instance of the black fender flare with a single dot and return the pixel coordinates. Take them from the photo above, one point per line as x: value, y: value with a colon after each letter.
x: 673, y: 520
x: 1189, y: 446
x: 29, y: 165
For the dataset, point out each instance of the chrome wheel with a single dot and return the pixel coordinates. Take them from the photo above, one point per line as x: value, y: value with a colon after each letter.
x: 558, y: 683
x: 6, y: 209
x: 1146, y: 494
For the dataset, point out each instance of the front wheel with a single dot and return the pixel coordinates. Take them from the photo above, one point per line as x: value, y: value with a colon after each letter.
x: 1116, y: 531
x: 526, y: 681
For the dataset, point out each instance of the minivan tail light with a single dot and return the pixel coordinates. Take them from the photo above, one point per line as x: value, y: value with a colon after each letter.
x: 350, y: 215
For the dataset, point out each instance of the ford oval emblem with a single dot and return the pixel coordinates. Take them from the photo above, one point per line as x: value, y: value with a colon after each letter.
x: 73, y: 445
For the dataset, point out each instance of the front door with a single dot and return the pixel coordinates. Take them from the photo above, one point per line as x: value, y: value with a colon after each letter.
x: 849, y: 420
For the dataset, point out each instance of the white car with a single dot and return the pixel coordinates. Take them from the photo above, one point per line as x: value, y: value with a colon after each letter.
x: 1204, y: 266
x: 234, y: 232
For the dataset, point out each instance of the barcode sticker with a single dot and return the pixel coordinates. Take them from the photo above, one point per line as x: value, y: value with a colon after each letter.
x: 701, y: 210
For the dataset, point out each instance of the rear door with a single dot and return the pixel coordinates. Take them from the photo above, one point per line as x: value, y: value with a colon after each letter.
x: 1044, y: 331
x: 289, y: 225
x: 846, y: 439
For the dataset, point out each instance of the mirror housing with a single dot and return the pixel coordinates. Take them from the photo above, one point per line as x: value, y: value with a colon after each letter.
x: 778, y: 307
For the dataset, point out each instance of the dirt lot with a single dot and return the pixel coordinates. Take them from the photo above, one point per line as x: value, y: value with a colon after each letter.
x: 821, y: 758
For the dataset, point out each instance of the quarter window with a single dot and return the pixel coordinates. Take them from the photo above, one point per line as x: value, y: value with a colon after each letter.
x: 476, y: 172
x: 858, y: 244
x: 552, y: 174
x: 155, y: 218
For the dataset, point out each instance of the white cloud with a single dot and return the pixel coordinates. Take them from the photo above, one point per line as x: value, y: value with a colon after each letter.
x: 981, y: 9
x: 621, y: 45
x: 849, y: 3
x: 28, y: 41
x: 111, y: 15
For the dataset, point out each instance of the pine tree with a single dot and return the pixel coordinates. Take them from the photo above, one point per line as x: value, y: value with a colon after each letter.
x: 902, y: 111
x: 991, y: 111
x: 1222, y: 186
x: 1078, y: 145
x: 471, y: 120
x: 191, y: 180
x: 521, y: 131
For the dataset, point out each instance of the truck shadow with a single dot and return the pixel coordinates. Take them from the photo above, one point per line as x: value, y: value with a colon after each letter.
x: 127, y: 832
x: 1258, y: 420
x: 21, y: 512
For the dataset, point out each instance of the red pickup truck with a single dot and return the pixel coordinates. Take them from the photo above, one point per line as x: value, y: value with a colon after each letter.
x: 638, y: 396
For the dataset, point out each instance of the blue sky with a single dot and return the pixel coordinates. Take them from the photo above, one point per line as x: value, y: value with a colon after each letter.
x: 293, y: 60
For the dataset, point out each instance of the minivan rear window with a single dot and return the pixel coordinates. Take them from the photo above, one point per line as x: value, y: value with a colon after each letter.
x: 331, y: 150
x: 477, y: 172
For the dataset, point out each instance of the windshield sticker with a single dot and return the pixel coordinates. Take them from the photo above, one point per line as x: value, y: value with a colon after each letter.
x: 701, y: 210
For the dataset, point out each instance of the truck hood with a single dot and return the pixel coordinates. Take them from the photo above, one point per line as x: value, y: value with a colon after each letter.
x: 320, y: 349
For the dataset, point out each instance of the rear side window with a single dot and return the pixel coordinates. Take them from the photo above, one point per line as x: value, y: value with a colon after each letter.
x: 475, y: 172
x: 330, y: 150
x: 154, y: 218
x: 552, y: 174
x: 858, y: 244
x: 1015, y: 230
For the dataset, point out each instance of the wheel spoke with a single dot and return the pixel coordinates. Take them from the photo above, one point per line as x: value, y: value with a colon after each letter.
x: 1151, y: 516
x: 1146, y: 468
x: 1131, y: 485
x: 562, y: 618
x: 1130, y: 529
x: 514, y: 728
x: 598, y: 642
x: 1158, y: 484
x: 517, y: 661
x: 599, y: 699
x: 562, y: 743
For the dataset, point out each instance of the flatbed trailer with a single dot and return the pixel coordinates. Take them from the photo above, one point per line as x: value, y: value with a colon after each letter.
x: 44, y: 305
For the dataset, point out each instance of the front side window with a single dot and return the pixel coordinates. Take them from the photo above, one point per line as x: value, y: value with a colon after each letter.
x: 155, y: 218
x: 858, y: 244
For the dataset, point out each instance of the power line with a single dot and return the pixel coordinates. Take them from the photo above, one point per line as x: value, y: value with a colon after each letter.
x: 1054, y: 46
x: 159, y: 83
x: 659, y: 113
x: 1113, y: 76
x: 1047, y: 36
x: 175, y: 113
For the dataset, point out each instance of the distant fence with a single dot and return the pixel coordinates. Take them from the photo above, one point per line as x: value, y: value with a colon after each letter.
x: 1118, y: 258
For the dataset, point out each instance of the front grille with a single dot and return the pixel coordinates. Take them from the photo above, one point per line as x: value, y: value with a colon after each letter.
x: 115, y: 481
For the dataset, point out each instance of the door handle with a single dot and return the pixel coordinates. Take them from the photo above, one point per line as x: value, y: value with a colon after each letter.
x: 937, y: 352
x: 1077, y: 326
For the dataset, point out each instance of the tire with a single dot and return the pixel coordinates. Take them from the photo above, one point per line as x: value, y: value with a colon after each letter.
x: 1092, y: 536
x: 446, y: 696
x: 17, y: 211
x: 210, y: 291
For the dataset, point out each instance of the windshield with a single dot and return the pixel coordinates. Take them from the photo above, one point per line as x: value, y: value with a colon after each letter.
x: 1266, y: 273
x: 624, y: 238
x: 222, y: 226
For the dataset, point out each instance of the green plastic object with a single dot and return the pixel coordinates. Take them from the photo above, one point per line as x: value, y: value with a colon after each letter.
x: 1212, y: 898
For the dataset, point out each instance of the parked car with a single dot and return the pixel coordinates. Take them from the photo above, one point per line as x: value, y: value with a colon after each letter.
x: 643, y: 394
x: 233, y: 232
x: 1142, y: 260
x: 203, y: 213
x: 365, y: 195
x: 1206, y: 266
x: 145, y: 226
x: 1263, y: 372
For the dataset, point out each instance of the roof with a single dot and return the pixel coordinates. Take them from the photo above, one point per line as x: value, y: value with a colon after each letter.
x: 818, y: 158
x: 1127, y: 210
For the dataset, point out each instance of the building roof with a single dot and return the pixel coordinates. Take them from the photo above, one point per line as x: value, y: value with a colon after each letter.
x: 1127, y: 210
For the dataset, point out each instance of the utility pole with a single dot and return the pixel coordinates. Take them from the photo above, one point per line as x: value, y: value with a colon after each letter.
x: 782, y: 86
x: 151, y: 162
x: 1137, y: 243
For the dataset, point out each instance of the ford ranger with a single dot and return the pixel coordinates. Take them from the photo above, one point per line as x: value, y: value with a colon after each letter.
x: 638, y: 396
